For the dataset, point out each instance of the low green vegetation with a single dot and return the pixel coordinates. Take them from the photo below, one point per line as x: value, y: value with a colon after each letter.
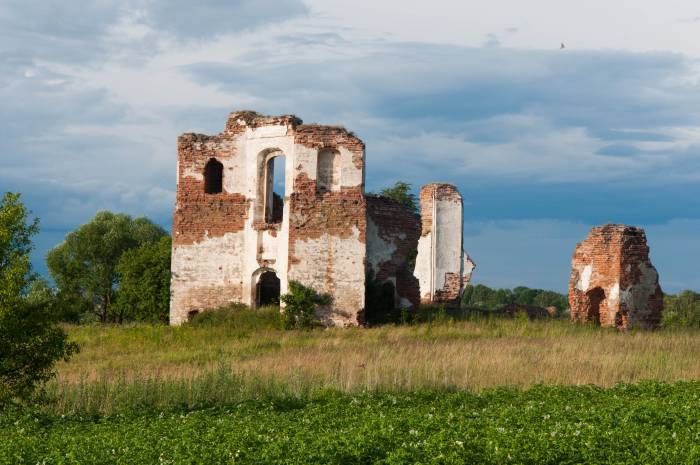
x: 300, y: 306
x: 238, y: 318
x: 646, y: 423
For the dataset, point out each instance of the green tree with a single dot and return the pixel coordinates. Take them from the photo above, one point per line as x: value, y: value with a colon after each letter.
x: 300, y: 305
x: 84, y: 266
x: 484, y: 298
x: 30, y: 340
x: 551, y: 299
x: 682, y: 310
x: 144, y: 283
x: 524, y: 295
x: 401, y: 192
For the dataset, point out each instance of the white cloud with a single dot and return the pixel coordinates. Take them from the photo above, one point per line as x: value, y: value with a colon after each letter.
x: 94, y: 95
x: 541, y: 24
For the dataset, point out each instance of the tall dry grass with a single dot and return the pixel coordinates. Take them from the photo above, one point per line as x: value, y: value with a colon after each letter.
x: 231, y: 361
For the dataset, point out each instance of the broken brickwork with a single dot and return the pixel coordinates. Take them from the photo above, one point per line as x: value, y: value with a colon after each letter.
x: 442, y: 266
x: 393, y: 231
x: 233, y: 235
x: 613, y: 282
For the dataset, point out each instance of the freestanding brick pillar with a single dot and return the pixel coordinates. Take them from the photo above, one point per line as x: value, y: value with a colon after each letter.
x: 442, y: 266
x: 613, y: 282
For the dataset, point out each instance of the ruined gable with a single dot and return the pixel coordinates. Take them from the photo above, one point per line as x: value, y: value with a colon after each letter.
x: 613, y: 282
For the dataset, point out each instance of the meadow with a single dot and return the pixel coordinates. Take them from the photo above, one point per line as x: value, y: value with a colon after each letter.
x: 244, y: 355
x: 235, y: 388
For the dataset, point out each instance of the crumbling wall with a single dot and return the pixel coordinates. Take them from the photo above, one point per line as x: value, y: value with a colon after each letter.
x: 442, y: 267
x: 220, y: 249
x: 392, y: 243
x: 613, y: 282
x: 207, y: 229
x: 327, y: 228
x: 225, y: 237
x: 224, y: 241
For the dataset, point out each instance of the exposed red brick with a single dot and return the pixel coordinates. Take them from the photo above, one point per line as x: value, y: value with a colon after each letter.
x: 213, y: 265
x: 431, y: 192
x: 451, y: 291
x: 399, y: 226
x: 198, y: 215
x: 613, y: 282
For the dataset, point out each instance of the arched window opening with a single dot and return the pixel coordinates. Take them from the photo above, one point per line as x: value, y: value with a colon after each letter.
x: 268, y: 290
x: 274, y: 189
x: 191, y: 314
x: 213, y: 177
x: 595, y: 298
x: 328, y: 171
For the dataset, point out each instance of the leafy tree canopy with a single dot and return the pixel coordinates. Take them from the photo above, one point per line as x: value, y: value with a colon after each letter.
x: 30, y: 340
x: 84, y: 266
x: 682, y: 310
x: 401, y: 192
x: 484, y: 298
x: 144, y: 286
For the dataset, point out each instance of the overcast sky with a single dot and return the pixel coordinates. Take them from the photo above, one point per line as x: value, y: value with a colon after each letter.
x: 543, y: 143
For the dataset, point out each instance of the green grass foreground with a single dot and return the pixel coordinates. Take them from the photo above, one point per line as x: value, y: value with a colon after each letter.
x: 644, y: 423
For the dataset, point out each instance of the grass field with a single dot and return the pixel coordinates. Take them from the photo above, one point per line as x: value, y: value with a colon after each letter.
x: 246, y: 356
x: 234, y: 388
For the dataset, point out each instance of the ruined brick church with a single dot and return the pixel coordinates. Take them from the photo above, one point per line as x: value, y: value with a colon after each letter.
x: 270, y: 200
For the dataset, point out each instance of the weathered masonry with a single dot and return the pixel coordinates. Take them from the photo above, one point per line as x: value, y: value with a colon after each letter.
x: 613, y: 282
x: 271, y: 199
x: 442, y: 267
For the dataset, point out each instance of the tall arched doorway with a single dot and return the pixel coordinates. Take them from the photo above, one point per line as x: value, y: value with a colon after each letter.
x: 267, y: 290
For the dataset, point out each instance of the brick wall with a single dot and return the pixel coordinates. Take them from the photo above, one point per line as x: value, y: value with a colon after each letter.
x: 392, y: 242
x: 613, y: 282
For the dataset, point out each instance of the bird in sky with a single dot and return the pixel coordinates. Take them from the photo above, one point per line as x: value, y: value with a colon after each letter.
x: 562, y: 46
